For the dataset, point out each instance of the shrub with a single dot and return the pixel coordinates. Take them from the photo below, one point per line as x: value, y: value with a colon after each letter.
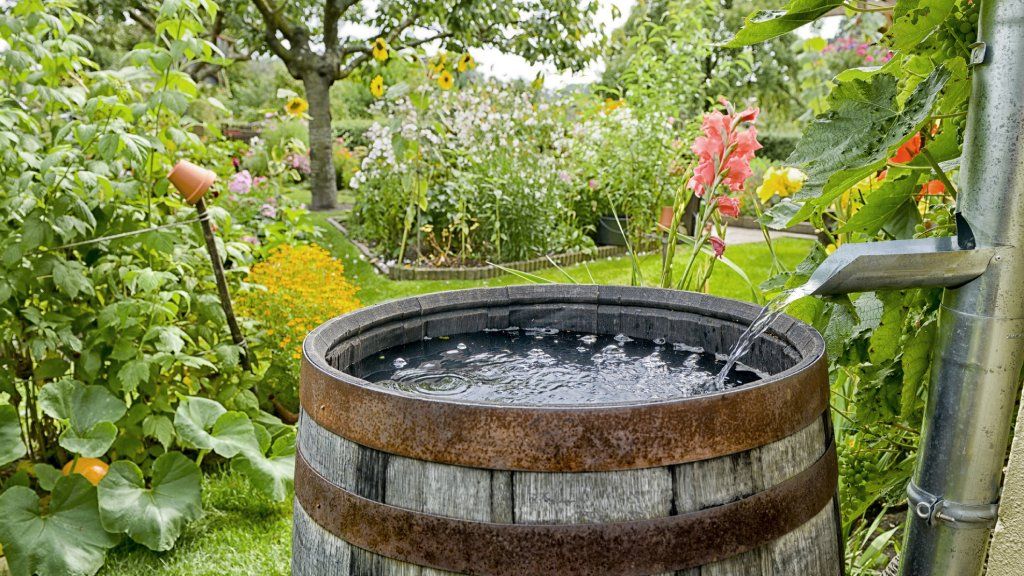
x: 491, y: 172
x: 299, y: 287
x: 777, y: 146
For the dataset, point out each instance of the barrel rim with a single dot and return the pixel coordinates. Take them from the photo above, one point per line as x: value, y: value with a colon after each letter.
x: 561, y: 437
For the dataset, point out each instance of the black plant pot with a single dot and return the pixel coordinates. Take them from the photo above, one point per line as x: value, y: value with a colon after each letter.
x: 609, y: 231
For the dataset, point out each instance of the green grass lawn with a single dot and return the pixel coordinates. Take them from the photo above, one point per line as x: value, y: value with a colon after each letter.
x: 243, y: 533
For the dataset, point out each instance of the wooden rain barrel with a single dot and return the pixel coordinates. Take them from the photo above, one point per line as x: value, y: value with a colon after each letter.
x: 736, y: 483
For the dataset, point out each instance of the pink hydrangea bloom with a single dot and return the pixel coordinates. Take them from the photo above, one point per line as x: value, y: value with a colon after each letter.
x: 240, y: 183
x: 268, y: 211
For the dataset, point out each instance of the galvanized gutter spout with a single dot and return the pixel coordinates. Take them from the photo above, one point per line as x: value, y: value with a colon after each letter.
x: 976, y: 371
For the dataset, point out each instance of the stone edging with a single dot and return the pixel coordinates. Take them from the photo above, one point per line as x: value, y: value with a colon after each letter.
x: 475, y: 272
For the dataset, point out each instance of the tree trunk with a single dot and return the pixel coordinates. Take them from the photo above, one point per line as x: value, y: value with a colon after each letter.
x: 321, y: 140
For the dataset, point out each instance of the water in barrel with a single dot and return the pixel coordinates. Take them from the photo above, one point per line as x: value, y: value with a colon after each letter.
x: 547, y: 366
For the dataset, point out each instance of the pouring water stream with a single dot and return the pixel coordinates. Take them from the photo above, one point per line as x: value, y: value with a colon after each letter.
x: 772, y: 310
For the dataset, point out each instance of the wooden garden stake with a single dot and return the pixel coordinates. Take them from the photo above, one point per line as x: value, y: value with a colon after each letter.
x: 193, y: 182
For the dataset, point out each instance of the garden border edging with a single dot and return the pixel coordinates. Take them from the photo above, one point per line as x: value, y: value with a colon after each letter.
x: 475, y: 272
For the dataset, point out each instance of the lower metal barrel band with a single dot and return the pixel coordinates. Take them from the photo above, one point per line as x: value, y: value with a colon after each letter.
x: 637, y: 548
x: 932, y: 509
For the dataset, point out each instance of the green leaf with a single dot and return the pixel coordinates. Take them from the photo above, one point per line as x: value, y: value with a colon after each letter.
x: 781, y: 216
x: 885, y: 341
x: 159, y: 427
x: 90, y: 412
x: 91, y: 442
x: 47, y: 475
x: 11, y: 446
x: 132, y: 374
x: 154, y: 516
x: 69, y: 277
x: 271, y: 474
x: 881, y: 204
x: 67, y: 539
x: 917, y: 354
x: 859, y: 133
x: 767, y: 24
x: 915, y: 20
x: 205, y: 424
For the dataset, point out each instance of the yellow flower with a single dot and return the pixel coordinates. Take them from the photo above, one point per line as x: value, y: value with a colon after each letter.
x: 437, y: 65
x: 611, y: 105
x: 782, y: 182
x: 538, y: 82
x: 466, y: 62
x: 377, y: 86
x: 445, y: 80
x: 380, y: 49
x: 296, y: 106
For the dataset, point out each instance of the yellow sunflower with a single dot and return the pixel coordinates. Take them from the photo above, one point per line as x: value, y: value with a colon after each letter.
x: 438, y: 63
x: 380, y: 49
x: 377, y: 86
x: 466, y: 62
x: 445, y: 80
x: 296, y: 106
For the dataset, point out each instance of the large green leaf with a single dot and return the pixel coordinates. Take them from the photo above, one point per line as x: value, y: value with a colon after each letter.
x: 205, y: 424
x: 271, y: 474
x: 767, y: 24
x: 89, y: 411
x: 917, y: 353
x: 154, y: 516
x: 11, y: 446
x: 882, y: 204
x: 65, y: 539
x: 915, y: 20
x: 860, y: 132
x: 885, y: 341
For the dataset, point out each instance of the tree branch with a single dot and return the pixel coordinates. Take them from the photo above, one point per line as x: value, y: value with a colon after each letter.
x: 333, y: 11
x: 295, y: 34
x: 364, y: 51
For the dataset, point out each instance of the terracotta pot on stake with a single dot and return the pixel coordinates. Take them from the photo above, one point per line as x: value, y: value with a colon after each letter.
x: 192, y: 182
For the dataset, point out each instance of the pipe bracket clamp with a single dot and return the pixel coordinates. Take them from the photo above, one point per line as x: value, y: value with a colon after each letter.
x: 933, y: 509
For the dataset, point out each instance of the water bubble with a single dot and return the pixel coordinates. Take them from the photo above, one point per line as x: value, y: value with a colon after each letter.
x: 582, y: 349
x: 399, y: 363
x: 659, y: 341
x: 622, y: 338
x: 461, y: 346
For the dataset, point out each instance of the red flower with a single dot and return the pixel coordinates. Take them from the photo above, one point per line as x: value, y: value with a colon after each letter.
x: 724, y: 151
x: 932, y: 188
x: 728, y: 206
x: 910, y: 149
x: 718, y: 245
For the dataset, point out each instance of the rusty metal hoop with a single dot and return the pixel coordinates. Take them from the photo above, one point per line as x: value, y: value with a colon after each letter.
x: 637, y: 548
x: 556, y: 438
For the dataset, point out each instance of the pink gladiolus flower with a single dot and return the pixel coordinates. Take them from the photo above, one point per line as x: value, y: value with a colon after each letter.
x: 241, y: 182
x: 728, y: 206
x: 718, y: 245
x: 724, y: 151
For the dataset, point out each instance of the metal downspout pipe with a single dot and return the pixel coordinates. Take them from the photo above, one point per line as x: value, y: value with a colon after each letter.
x: 977, y: 369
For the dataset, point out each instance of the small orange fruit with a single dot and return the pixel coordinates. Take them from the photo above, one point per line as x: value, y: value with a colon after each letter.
x: 93, y: 469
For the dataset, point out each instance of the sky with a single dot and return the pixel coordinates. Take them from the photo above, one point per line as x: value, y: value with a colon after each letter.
x: 509, y: 66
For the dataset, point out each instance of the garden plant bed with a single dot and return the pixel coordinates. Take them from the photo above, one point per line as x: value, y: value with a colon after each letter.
x: 476, y: 272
